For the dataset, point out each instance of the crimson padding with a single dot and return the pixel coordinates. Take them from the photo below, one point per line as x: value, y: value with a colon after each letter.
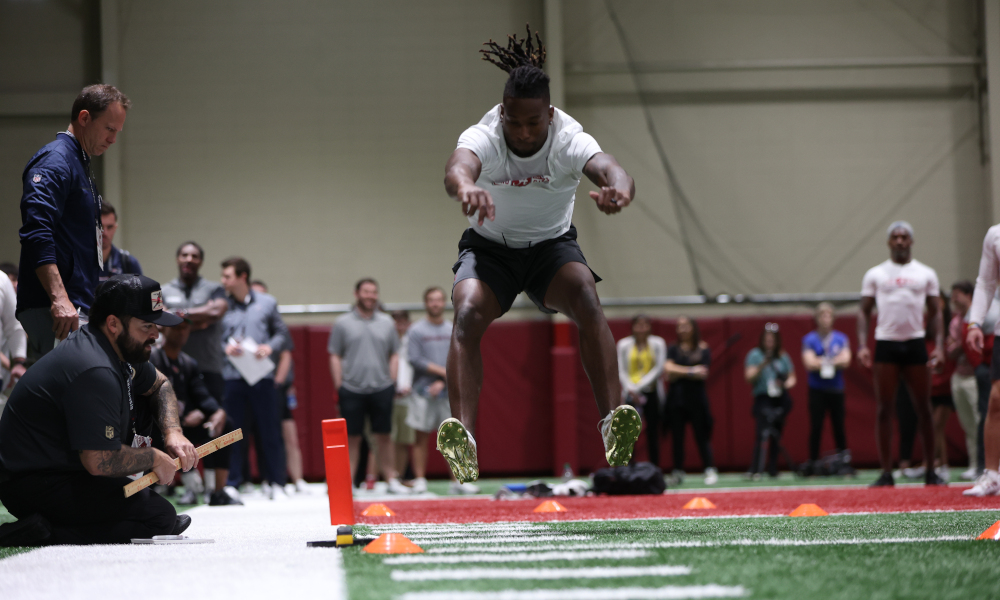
x: 516, y: 429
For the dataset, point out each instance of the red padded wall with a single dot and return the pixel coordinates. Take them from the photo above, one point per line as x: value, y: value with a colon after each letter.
x: 516, y: 429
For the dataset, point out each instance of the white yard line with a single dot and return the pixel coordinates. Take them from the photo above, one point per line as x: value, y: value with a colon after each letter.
x: 634, y: 593
x: 516, y: 557
x: 706, y: 544
x: 259, y: 552
x: 476, y: 534
x: 546, y: 574
x: 514, y: 539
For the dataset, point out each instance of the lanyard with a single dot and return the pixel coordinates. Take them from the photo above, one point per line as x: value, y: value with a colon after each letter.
x: 129, y: 372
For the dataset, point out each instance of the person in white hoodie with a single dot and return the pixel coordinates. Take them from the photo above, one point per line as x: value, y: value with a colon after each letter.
x: 641, y: 357
x: 988, y: 484
x: 13, y: 341
x: 515, y: 175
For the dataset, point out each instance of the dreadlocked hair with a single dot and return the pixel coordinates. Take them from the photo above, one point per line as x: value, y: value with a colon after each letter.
x: 522, y: 60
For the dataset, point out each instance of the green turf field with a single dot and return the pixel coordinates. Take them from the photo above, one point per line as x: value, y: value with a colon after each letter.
x: 861, y: 566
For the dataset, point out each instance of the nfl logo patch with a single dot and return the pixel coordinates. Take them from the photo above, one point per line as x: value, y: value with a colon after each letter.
x: 157, y: 298
x: 109, y: 432
x: 37, y: 178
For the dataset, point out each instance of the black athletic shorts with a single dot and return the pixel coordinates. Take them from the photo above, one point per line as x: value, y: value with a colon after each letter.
x: 376, y: 405
x: 509, y: 271
x: 943, y: 400
x: 910, y: 352
x: 995, y: 364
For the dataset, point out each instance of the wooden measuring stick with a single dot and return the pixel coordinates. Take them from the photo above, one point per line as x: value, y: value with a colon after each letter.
x: 202, y: 451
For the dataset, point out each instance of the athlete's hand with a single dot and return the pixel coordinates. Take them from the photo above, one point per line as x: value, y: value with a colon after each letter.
x: 474, y: 199
x: 865, y: 357
x: 974, y: 339
x: 163, y: 466
x: 194, y: 418
x: 610, y: 200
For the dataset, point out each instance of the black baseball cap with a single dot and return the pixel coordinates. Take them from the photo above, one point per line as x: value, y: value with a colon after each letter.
x: 136, y: 296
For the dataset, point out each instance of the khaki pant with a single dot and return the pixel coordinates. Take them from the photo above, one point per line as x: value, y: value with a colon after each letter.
x: 965, y: 393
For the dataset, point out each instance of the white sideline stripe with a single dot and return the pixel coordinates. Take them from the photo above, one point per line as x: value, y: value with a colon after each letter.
x: 548, y: 574
x: 517, y: 557
x: 635, y: 593
x: 481, y: 534
x: 514, y: 539
x: 452, y: 526
x: 709, y: 544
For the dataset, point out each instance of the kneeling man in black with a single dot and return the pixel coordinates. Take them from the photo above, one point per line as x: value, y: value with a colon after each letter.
x: 64, y: 437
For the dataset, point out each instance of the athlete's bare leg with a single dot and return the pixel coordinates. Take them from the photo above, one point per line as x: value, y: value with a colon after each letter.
x: 886, y: 377
x: 475, y: 308
x: 918, y: 379
x: 991, y: 429
x: 573, y: 293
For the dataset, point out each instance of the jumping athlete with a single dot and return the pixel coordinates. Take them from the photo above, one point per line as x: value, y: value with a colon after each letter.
x: 516, y: 174
x: 901, y: 288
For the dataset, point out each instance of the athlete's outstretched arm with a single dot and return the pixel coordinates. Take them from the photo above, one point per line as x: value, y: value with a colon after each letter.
x: 617, y: 188
x: 460, y: 175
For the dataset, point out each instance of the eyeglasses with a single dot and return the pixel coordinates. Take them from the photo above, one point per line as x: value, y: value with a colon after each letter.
x: 771, y: 327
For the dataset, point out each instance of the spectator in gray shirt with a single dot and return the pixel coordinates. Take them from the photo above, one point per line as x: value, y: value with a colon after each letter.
x: 364, y: 360
x: 253, y: 315
x: 427, y: 350
x: 202, y: 303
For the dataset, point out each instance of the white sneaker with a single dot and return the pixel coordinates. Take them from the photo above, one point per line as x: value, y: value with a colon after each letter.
x: 232, y: 492
x: 301, y: 487
x: 277, y: 492
x: 897, y: 474
x: 711, y: 476
x: 265, y: 489
x: 988, y: 484
x: 247, y: 488
x: 289, y: 489
x: 462, y: 488
x: 397, y: 487
x: 914, y: 472
x: 943, y: 472
x: 419, y: 485
x: 969, y: 474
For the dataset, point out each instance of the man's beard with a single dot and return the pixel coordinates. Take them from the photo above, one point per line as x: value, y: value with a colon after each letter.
x: 133, y: 351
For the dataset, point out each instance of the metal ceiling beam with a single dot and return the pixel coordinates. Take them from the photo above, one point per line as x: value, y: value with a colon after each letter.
x: 703, y: 66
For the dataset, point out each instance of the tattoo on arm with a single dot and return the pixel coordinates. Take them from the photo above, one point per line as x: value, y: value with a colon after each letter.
x: 126, y: 461
x: 165, y: 401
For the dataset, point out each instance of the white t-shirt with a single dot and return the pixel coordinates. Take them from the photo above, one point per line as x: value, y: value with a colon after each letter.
x: 900, y: 293
x: 983, y: 299
x: 533, y: 196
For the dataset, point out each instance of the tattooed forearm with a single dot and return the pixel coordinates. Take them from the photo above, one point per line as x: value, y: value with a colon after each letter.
x: 165, y: 404
x: 118, y: 463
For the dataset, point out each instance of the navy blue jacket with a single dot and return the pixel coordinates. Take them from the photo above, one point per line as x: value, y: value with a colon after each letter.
x: 60, y: 209
x: 120, y: 261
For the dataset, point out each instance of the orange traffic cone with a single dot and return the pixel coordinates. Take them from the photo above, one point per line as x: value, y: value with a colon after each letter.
x: 699, y: 503
x: 808, y: 510
x: 550, y: 506
x: 378, y: 510
x: 393, y: 543
x: 338, y: 472
x: 993, y: 533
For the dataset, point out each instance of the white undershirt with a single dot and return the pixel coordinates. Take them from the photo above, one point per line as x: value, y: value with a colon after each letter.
x: 986, y: 283
x: 534, y: 196
x: 900, y: 293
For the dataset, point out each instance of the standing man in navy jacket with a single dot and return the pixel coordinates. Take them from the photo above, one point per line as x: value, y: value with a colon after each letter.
x: 61, y: 257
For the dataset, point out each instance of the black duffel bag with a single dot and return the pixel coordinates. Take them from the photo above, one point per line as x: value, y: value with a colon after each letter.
x: 637, y: 479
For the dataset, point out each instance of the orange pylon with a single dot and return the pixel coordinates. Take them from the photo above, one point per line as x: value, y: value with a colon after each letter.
x: 550, y: 506
x: 699, y: 503
x: 993, y: 533
x: 393, y: 543
x: 338, y: 472
x: 808, y: 510
x: 378, y: 510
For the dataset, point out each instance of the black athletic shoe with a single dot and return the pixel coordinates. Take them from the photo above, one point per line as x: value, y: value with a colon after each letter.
x: 933, y: 479
x: 181, y: 524
x: 31, y: 531
x: 221, y: 498
x: 885, y: 480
